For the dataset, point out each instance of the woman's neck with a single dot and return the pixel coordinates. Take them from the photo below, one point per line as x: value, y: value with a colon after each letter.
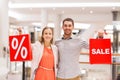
x: 47, y: 44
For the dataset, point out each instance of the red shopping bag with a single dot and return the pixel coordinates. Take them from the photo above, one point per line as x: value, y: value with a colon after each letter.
x: 100, y: 51
x: 20, y: 48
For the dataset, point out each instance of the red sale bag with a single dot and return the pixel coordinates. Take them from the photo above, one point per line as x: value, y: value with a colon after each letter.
x: 20, y: 48
x: 100, y: 51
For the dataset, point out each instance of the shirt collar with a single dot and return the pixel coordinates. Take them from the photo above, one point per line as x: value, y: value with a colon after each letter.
x: 66, y: 38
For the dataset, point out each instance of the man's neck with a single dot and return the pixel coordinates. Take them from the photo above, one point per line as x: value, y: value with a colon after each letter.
x: 66, y: 36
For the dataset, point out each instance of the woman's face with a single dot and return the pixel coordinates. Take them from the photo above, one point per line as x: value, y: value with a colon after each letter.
x: 47, y: 35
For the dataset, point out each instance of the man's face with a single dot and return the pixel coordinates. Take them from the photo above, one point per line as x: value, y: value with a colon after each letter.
x: 67, y: 27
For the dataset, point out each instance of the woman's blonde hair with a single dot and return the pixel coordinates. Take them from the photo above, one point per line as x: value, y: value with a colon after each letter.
x: 42, y: 39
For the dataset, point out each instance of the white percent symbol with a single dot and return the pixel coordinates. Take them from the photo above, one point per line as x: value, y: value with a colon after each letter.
x: 15, y: 45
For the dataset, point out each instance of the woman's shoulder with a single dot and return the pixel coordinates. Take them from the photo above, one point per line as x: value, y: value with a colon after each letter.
x: 36, y: 44
x: 54, y: 46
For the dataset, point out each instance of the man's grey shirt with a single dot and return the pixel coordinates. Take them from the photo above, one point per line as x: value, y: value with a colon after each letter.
x: 69, y: 51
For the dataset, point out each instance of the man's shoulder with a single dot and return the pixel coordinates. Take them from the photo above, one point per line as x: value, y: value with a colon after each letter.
x: 58, y: 40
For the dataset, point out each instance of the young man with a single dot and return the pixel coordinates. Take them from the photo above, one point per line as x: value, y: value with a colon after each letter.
x: 69, y: 51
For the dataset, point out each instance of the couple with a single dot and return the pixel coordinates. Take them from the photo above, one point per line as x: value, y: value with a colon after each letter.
x: 63, y: 59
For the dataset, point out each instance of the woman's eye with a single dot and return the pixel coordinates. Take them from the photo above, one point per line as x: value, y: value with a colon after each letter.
x: 50, y: 33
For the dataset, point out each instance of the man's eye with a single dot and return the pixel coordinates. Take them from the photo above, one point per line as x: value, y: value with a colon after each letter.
x: 65, y: 25
x: 70, y: 25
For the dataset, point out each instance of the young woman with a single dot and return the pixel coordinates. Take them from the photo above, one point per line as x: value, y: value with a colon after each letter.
x: 44, y: 57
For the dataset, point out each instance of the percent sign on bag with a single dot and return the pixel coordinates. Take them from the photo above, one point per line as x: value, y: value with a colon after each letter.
x: 20, y: 49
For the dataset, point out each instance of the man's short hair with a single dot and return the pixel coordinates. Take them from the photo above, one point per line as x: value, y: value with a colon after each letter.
x: 69, y: 19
